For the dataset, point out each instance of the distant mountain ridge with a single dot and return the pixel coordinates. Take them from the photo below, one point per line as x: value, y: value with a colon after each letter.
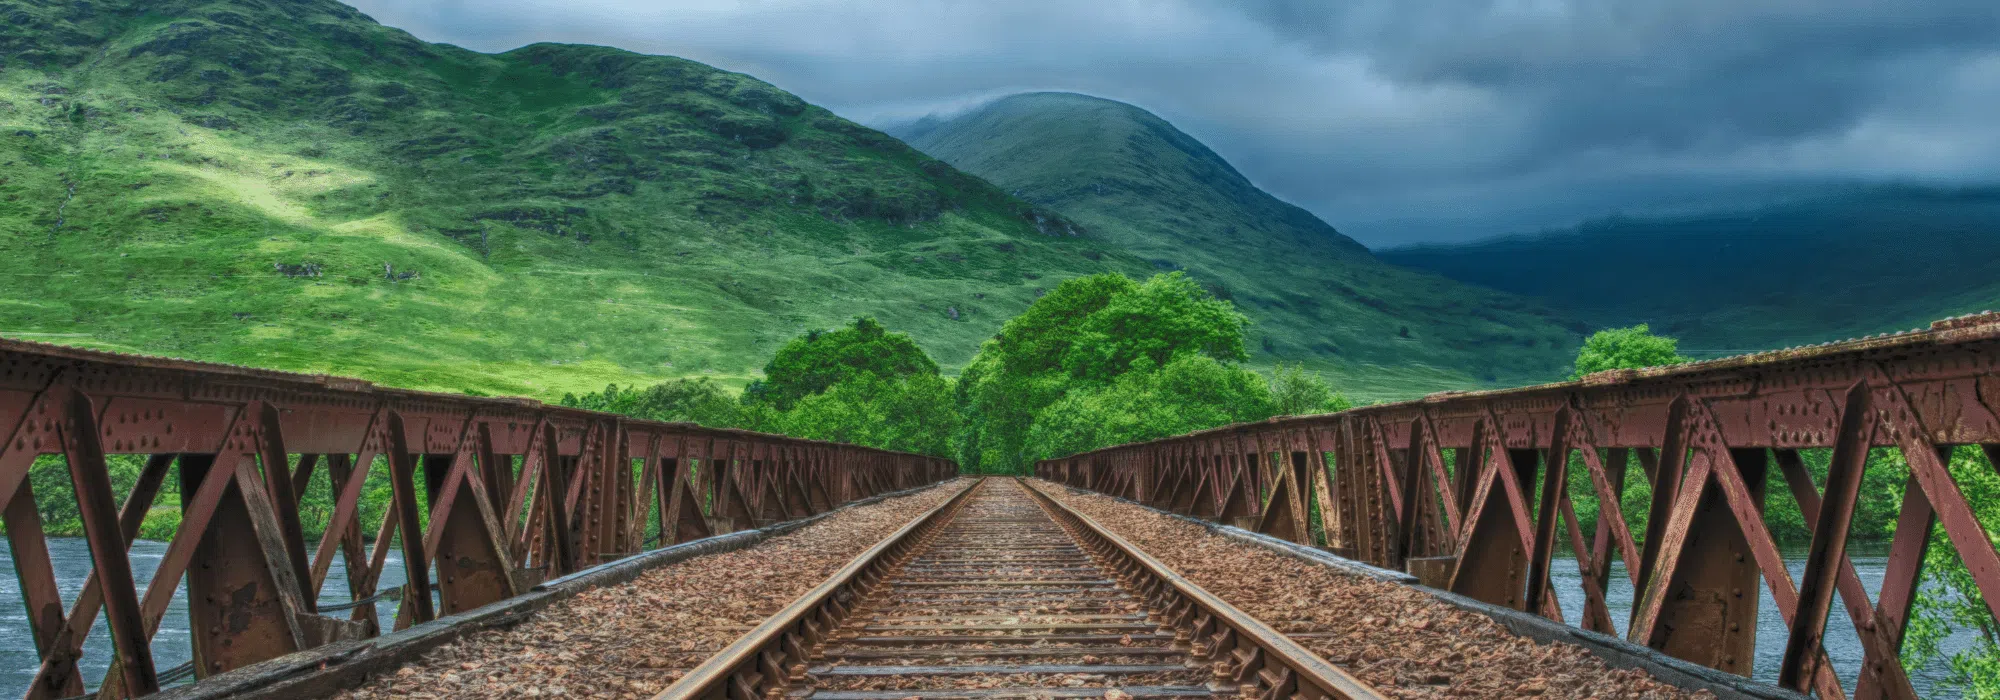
x: 1848, y: 263
x: 1315, y: 295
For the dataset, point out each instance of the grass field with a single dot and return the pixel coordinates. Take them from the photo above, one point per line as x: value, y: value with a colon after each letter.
x: 300, y: 188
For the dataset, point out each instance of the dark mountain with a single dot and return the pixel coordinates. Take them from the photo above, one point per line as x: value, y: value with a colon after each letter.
x: 1841, y: 265
x: 1134, y: 180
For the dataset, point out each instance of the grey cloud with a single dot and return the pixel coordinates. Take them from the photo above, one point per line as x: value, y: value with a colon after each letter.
x: 1396, y: 120
x: 1655, y: 76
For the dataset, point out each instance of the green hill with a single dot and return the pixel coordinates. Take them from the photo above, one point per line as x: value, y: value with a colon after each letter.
x: 1315, y: 295
x: 1841, y: 265
x: 291, y: 185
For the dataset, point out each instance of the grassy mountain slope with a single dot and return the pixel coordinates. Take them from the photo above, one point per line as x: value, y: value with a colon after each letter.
x: 1843, y: 265
x: 1315, y: 295
x: 288, y: 184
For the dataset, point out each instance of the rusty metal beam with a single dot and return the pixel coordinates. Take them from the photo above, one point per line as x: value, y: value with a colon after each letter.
x: 97, y: 508
x: 248, y: 444
x: 1704, y: 434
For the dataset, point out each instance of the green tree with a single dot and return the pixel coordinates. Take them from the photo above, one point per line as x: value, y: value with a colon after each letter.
x: 1298, y: 392
x: 55, y: 493
x: 1037, y: 340
x: 816, y: 361
x: 1626, y: 348
x: 686, y: 400
x: 1086, y: 349
x: 1019, y: 371
x: 1191, y: 393
x: 862, y: 385
x: 1949, y: 599
x: 1164, y: 318
x: 912, y: 414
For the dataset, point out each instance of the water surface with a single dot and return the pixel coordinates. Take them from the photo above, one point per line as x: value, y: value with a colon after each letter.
x: 171, y: 645
x: 1843, y: 647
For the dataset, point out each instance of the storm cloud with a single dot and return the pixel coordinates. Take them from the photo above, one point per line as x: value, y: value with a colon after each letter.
x: 1395, y: 120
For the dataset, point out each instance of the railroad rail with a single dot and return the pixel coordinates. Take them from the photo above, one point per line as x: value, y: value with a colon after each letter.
x: 1471, y: 491
x: 1004, y: 592
x: 512, y: 492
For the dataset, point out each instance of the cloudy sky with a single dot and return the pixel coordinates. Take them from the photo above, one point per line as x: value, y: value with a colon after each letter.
x: 1396, y: 120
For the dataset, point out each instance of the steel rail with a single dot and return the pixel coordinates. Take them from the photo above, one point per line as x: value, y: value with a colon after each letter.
x: 769, y: 659
x: 1244, y: 652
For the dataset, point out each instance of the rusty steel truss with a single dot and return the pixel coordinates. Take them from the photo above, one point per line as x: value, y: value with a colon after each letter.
x: 514, y: 491
x: 1471, y: 491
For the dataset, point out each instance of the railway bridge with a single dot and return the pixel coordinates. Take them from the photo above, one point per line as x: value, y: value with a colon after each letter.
x: 1398, y: 550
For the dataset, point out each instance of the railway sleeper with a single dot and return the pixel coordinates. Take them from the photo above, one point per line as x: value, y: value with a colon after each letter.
x: 1004, y: 593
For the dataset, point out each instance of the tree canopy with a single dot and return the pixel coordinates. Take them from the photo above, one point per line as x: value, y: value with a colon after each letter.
x: 1104, y: 359
x: 1626, y: 348
x: 1097, y: 361
x: 1166, y: 317
x: 686, y: 400
x: 816, y: 361
x: 862, y: 385
x: 912, y: 414
x: 1295, y: 391
x: 1192, y: 392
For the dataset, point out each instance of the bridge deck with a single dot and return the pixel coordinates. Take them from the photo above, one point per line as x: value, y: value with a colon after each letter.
x: 641, y: 636
x: 1003, y: 552
x: 1402, y: 641
x: 1002, y: 603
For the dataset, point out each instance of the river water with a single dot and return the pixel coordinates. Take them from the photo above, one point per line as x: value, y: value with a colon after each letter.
x: 1842, y: 646
x: 171, y: 645
x: 71, y: 556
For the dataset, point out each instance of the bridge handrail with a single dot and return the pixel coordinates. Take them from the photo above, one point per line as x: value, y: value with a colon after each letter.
x: 515, y: 491
x: 1471, y: 492
x: 102, y: 360
x: 1957, y: 331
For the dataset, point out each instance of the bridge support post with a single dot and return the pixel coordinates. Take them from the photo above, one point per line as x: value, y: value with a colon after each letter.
x: 1493, y: 554
x: 464, y: 541
x: 237, y: 612
x: 1708, y: 609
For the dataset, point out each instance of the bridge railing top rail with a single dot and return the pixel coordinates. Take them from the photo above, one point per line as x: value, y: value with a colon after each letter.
x: 1965, y: 347
x: 29, y: 367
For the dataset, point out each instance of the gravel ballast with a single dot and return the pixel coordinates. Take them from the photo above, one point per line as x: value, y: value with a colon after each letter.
x: 1400, y: 640
x: 632, y: 640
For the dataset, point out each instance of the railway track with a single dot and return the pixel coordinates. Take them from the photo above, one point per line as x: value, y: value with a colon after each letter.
x: 1005, y: 593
